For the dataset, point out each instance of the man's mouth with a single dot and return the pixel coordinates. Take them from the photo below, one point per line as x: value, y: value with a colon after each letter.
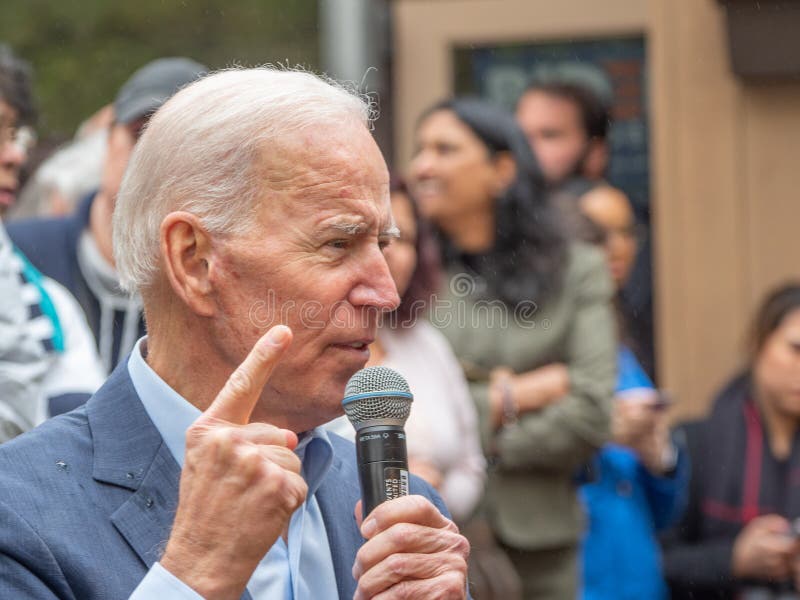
x: 356, y: 344
x: 8, y: 196
x: 359, y: 348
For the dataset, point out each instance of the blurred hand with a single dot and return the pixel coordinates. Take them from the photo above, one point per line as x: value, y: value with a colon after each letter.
x: 427, y: 470
x: 633, y: 417
x: 412, y: 551
x: 636, y: 422
x: 543, y: 386
x: 764, y: 550
x: 239, y: 486
x: 530, y: 391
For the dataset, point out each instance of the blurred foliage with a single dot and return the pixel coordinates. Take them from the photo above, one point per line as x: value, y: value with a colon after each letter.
x: 82, y: 51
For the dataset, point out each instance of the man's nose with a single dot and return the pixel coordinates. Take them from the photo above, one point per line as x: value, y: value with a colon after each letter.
x: 12, y: 154
x: 376, y: 289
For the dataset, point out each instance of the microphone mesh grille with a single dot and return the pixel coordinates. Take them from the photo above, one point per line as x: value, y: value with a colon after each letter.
x: 386, y: 406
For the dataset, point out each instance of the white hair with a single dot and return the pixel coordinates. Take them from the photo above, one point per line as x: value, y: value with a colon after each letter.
x: 74, y: 170
x: 200, y: 153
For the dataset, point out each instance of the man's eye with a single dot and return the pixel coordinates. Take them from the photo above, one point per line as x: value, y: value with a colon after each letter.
x: 383, y: 244
x: 339, y: 244
x: 551, y: 134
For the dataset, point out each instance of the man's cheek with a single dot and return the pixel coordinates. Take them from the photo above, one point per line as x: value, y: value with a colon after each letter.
x: 311, y: 315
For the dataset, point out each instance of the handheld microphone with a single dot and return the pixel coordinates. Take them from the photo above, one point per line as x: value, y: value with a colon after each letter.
x: 377, y: 401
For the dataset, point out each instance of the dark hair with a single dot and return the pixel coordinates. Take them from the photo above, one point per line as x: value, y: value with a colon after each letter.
x: 15, y: 85
x: 427, y: 272
x: 526, y: 261
x: 777, y: 305
x: 574, y: 222
x: 595, y: 115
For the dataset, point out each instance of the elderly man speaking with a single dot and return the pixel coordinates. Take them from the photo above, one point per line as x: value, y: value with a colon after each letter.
x: 198, y: 470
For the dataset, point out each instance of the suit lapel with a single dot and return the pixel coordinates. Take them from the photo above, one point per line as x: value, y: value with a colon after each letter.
x: 145, y: 519
x: 337, y: 497
x: 130, y: 453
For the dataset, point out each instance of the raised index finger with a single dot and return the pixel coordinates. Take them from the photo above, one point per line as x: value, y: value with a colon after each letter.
x: 238, y: 397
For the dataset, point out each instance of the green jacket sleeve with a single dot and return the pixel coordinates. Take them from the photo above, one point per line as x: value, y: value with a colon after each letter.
x: 566, y: 434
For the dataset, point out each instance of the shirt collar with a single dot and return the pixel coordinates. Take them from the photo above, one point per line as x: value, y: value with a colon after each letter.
x: 172, y: 415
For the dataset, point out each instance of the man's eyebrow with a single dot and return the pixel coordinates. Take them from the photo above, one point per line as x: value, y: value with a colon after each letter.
x: 392, y: 231
x: 347, y: 228
x: 352, y: 229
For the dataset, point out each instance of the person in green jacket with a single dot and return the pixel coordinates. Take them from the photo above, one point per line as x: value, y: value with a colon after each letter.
x: 526, y: 311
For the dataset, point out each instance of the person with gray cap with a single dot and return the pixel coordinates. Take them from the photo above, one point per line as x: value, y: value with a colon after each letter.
x: 76, y: 250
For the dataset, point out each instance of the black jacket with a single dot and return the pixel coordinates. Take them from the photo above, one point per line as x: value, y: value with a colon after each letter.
x: 735, y: 478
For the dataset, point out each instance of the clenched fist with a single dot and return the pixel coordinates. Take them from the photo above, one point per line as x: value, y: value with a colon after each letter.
x: 412, y: 551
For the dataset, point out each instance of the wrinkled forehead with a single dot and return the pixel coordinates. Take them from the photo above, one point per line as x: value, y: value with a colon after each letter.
x: 327, y: 169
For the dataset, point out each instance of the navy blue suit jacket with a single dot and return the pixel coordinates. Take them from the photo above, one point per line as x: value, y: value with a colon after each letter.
x: 87, y: 502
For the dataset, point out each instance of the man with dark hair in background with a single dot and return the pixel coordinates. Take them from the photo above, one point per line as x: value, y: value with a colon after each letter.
x: 567, y: 125
x: 76, y: 250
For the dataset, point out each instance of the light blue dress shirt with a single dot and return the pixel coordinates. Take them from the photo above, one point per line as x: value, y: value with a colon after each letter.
x: 303, y: 569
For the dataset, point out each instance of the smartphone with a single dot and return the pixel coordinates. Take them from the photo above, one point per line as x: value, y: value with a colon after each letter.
x: 656, y: 399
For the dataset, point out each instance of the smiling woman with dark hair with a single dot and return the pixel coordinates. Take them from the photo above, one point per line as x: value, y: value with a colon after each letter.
x: 531, y: 324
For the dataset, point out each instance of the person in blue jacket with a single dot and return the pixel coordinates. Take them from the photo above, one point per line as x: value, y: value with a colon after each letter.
x: 638, y: 482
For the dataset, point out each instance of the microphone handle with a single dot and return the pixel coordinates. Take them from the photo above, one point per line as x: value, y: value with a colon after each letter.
x: 382, y: 464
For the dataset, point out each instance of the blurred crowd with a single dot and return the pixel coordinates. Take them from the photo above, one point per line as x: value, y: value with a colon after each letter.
x: 536, y: 414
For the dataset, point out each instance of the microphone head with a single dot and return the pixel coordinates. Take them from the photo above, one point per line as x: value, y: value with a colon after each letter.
x: 377, y: 396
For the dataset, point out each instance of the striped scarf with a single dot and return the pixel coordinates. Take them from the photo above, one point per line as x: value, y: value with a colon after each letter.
x: 30, y: 341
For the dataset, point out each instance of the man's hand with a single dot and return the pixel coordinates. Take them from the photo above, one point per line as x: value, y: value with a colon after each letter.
x: 763, y: 549
x: 412, y: 551
x: 239, y: 486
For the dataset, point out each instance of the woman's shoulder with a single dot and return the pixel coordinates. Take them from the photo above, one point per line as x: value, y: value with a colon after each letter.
x: 586, y: 272
x: 583, y: 258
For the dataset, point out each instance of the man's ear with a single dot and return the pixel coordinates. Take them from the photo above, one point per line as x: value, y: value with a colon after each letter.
x: 505, y: 172
x: 188, y: 258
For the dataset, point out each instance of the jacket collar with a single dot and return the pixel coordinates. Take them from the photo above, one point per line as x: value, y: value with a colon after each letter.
x: 125, y: 440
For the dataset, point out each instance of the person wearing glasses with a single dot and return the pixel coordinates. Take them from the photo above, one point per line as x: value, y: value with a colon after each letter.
x: 76, y: 250
x: 637, y: 483
x: 48, y: 362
